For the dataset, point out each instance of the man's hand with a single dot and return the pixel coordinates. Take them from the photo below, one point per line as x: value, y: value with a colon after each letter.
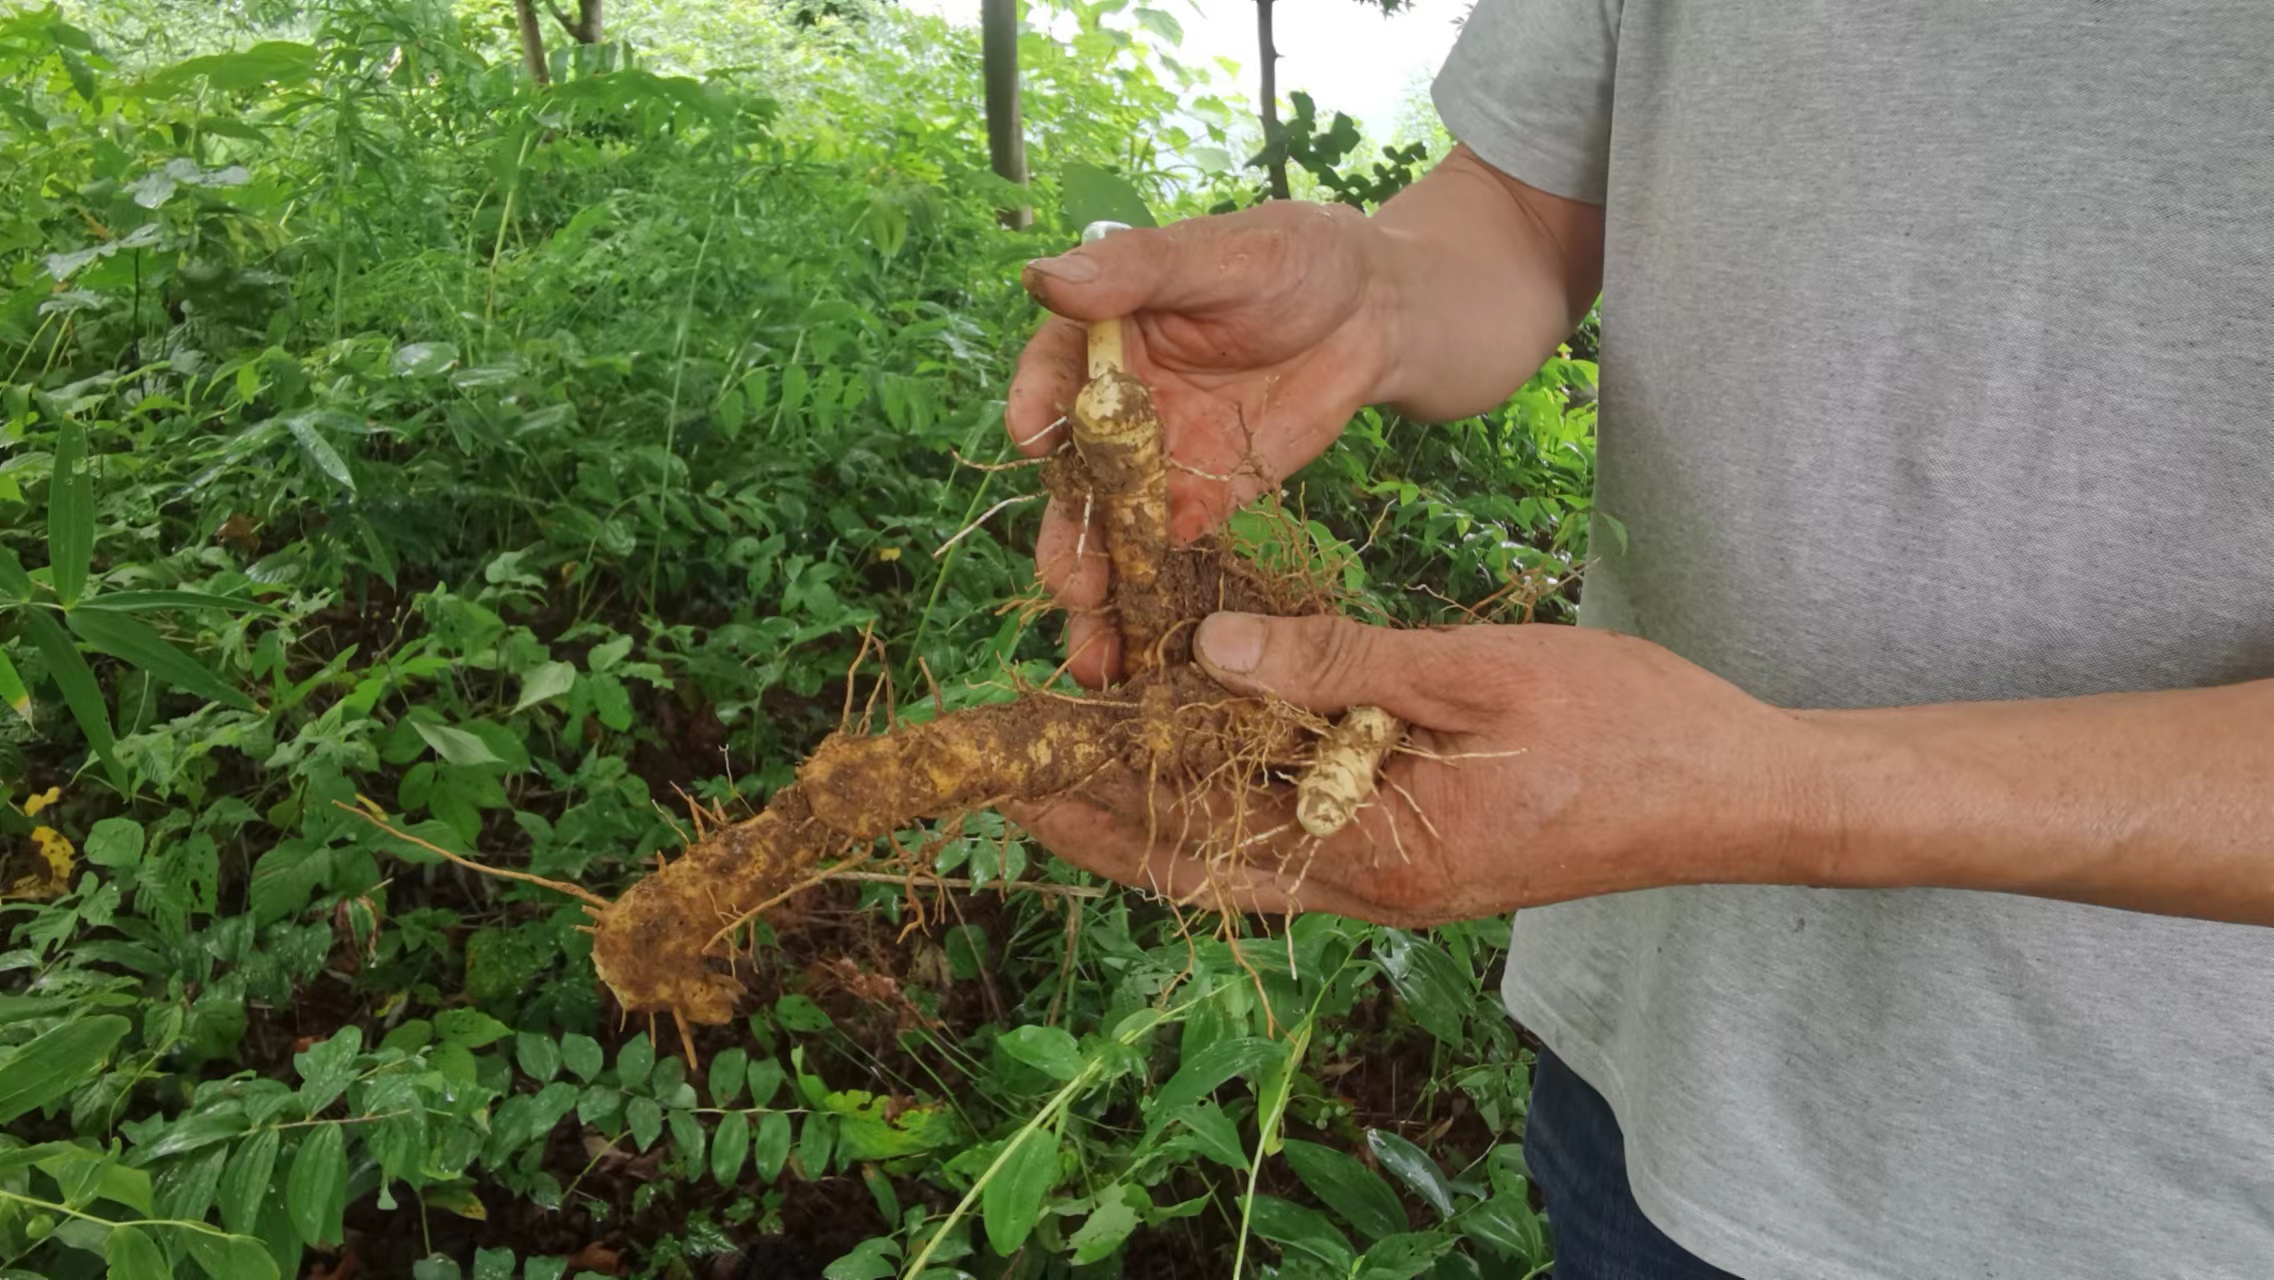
x: 1542, y: 763
x: 1261, y: 332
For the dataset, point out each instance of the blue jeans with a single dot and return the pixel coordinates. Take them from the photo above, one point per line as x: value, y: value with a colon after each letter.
x: 1578, y: 1158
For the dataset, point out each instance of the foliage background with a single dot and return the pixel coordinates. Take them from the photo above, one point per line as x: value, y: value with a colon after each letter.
x: 381, y: 431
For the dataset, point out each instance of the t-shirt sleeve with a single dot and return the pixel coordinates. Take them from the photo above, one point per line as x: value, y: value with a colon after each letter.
x: 1528, y: 88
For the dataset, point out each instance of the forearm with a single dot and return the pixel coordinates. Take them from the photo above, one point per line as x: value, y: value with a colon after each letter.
x: 2160, y: 802
x: 1489, y: 276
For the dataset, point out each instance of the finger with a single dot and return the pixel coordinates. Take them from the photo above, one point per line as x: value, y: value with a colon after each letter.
x: 1191, y: 266
x: 1070, y: 558
x: 1093, y: 650
x: 1454, y: 679
x: 1050, y: 372
x: 1105, y: 842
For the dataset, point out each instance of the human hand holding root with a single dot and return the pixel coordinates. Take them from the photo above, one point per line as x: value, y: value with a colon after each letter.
x: 1541, y: 764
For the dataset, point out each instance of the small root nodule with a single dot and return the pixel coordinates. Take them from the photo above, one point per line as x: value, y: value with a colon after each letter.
x: 1340, y: 778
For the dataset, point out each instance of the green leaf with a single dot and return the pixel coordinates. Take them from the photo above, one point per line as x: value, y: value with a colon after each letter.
x: 1107, y: 1226
x: 1508, y: 1224
x: 1435, y: 988
x: 634, y: 1061
x: 469, y: 1027
x: 456, y: 746
x: 315, y: 1192
x: 114, y: 842
x: 128, y: 638
x: 729, y: 1071
x: 235, y: 1257
x: 1348, y: 1187
x: 13, y: 579
x: 766, y: 1076
x: 135, y: 1256
x: 1284, y: 1222
x: 1013, y: 1199
x: 269, y: 62
x: 645, y: 1116
x: 539, y: 1056
x: 246, y: 1181
x: 1161, y: 24
x: 1413, y: 1167
x: 771, y: 1149
x: 796, y: 1013
x: 493, y: 1264
x: 80, y: 692
x: 816, y: 1143
x: 581, y: 1053
x: 1405, y: 1256
x: 12, y: 691
x: 1203, y: 1072
x: 871, y: 1259
x: 327, y: 1066
x: 729, y: 1146
x: 1047, y: 1049
x: 1091, y: 194
x: 145, y: 601
x: 320, y: 451
x: 55, y: 1062
x: 550, y: 680
x: 70, y: 513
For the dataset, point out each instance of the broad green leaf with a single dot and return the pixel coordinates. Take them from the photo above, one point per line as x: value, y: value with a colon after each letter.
x: 729, y: 1146
x: 1405, y: 1256
x: 816, y: 1143
x: 455, y: 745
x: 766, y: 1076
x: 12, y: 690
x: 320, y: 450
x: 315, y: 1192
x: 550, y: 680
x: 133, y: 640
x: 80, y: 692
x: 730, y: 1070
x: 1284, y: 1222
x: 70, y: 513
x: 55, y: 1062
x: 1203, y: 1072
x: 114, y: 842
x: 1413, y: 1167
x: 581, y: 1054
x: 13, y: 579
x: 1013, y: 1199
x: 1161, y: 24
x: 645, y: 1117
x: 634, y: 1060
x: 871, y: 1259
x: 770, y: 1150
x: 1348, y: 1187
x: 469, y: 1027
x: 1091, y: 194
x: 327, y: 1066
x: 233, y: 1257
x: 797, y: 1013
x: 245, y: 1183
x: 493, y: 1264
x: 1047, y: 1049
x: 269, y: 62
x: 134, y: 1256
x: 539, y: 1056
x: 1435, y: 988
x: 1107, y: 1226
x: 1508, y: 1224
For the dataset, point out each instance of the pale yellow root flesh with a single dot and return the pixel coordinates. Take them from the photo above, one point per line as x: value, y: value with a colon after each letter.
x: 1341, y: 776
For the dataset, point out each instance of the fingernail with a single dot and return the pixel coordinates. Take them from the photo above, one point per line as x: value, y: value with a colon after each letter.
x: 1231, y: 642
x: 1071, y: 268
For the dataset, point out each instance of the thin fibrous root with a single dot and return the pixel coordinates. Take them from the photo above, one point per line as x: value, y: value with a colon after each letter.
x: 1341, y: 775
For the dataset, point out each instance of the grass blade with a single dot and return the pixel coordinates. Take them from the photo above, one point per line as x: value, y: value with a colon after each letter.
x: 70, y: 513
x: 80, y: 692
x: 132, y: 640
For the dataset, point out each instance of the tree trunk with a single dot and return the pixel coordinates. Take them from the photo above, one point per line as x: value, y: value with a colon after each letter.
x: 1274, y: 139
x: 532, y: 40
x: 589, y: 27
x: 999, y: 59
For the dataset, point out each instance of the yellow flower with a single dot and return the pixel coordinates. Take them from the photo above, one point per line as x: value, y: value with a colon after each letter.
x: 52, y: 876
x: 34, y: 804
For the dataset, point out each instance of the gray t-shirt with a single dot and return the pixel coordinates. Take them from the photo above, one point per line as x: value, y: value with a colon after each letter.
x: 1938, y: 364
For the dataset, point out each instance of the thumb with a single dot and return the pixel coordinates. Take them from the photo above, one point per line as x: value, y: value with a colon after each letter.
x: 1328, y: 665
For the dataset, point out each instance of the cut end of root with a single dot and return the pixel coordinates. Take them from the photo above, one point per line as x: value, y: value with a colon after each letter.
x: 1341, y: 776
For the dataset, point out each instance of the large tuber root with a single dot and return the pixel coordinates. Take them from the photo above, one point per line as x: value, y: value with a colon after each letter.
x: 1169, y: 724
